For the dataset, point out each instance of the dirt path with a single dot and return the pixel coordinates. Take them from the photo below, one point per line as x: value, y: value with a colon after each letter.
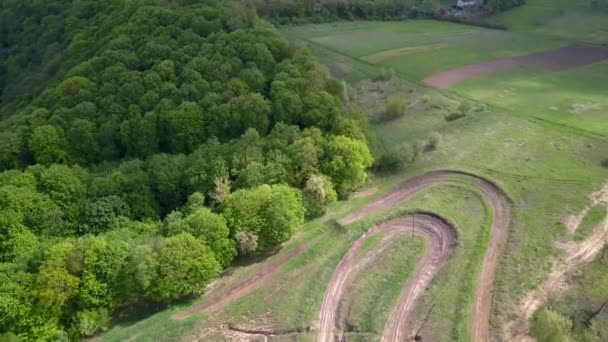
x: 576, y: 255
x: 568, y: 57
x: 442, y: 237
x: 243, y: 287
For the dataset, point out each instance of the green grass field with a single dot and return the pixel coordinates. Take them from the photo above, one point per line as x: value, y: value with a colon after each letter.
x: 417, y: 49
x: 546, y: 169
x: 561, y: 18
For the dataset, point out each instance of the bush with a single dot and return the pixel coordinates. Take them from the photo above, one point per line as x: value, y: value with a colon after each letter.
x: 433, y: 142
x: 395, y: 108
x: 247, y: 242
x: 550, y: 326
x: 384, y: 75
x: 454, y: 116
x: 91, y: 322
x: 398, y: 159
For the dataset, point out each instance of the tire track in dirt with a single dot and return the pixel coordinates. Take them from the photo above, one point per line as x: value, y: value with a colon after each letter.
x: 443, y: 238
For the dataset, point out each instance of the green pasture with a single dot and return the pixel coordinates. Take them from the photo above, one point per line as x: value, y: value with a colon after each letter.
x: 575, y: 97
x: 562, y: 18
x: 421, y: 48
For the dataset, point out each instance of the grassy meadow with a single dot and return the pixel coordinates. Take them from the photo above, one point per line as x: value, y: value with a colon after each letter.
x: 560, y: 18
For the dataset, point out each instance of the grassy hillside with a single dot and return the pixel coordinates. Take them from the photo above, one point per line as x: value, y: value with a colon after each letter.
x: 568, y: 19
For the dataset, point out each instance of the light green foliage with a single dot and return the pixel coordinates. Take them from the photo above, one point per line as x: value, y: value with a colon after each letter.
x: 318, y: 194
x: 48, y: 145
x: 205, y: 225
x: 395, y: 108
x: 53, y: 287
x: 550, y: 326
x: 138, y: 274
x: 272, y: 212
x: 185, y: 265
x: 91, y: 322
x: 348, y: 161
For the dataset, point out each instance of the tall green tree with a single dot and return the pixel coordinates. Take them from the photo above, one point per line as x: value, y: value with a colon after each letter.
x: 185, y: 265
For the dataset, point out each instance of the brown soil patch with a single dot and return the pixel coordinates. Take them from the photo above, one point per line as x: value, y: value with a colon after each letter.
x: 571, y: 56
x: 365, y: 193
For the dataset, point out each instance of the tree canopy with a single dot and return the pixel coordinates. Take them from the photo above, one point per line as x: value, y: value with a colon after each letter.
x: 144, y: 145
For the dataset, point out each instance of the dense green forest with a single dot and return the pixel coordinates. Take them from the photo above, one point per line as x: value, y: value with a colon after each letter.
x: 144, y: 145
x: 298, y: 11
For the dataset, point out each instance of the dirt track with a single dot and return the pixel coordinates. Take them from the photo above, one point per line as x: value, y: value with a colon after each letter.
x: 571, y: 56
x: 443, y: 238
x: 243, y: 287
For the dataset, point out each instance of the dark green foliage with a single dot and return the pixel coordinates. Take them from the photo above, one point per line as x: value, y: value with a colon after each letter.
x: 434, y: 141
x: 317, y: 10
x: 98, y: 216
x: 397, y: 159
x: 502, y: 5
x: 600, y: 4
x: 454, y: 116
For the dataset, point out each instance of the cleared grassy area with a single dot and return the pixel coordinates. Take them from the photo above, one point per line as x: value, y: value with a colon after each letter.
x: 377, y: 287
x: 575, y: 97
x: 408, y: 48
x: 157, y: 328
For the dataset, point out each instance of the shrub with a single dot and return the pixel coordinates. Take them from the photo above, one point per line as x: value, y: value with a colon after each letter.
x: 434, y: 141
x: 247, y: 242
x: 384, y: 75
x: 395, y: 108
x: 91, y: 322
x: 454, y: 117
x: 400, y: 158
x: 550, y: 326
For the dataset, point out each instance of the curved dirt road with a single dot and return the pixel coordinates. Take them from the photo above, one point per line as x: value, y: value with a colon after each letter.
x: 443, y: 238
